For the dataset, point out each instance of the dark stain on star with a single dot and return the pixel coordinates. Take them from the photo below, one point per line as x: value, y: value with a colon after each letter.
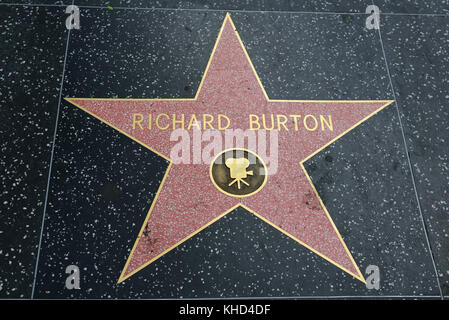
x: 311, y: 201
x: 146, y: 234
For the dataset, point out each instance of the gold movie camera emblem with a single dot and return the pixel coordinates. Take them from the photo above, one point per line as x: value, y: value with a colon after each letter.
x: 238, y: 172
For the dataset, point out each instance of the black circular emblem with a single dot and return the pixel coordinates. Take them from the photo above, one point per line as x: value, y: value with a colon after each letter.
x: 238, y: 172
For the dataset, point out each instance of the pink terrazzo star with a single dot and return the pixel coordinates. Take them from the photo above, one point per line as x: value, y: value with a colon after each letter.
x: 187, y: 201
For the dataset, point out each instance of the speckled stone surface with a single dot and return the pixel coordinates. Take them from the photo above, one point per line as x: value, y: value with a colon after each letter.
x: 102, y: 187
x: 364, y: 178
x: 37, y: 2
x: 338, y: 6
x: 413, y: 6
x: 386, y: 6
x: 103, y: 183
x: 418, y: 53
x: 246, y: 5
x: 316, y: 57
x: 31, y: 64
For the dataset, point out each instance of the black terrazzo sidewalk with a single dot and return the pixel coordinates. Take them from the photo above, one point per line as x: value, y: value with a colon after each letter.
x: 73, y: 191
